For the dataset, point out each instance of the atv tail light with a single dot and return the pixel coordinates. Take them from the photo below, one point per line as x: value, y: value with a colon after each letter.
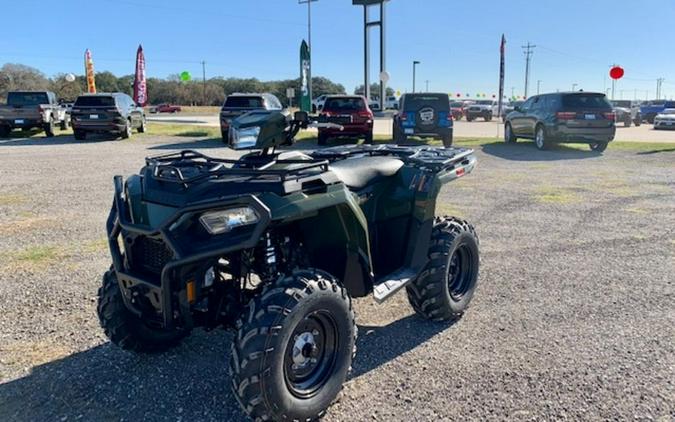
x: 566, y: 115
x: 217, y: 222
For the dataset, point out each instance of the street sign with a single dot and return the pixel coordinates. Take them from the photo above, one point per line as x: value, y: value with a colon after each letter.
x: 290, y: 93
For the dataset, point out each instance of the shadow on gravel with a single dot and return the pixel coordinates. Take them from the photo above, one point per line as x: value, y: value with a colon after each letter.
x: 193, y: 144
x: 56, y: 140
x: 656, y: 151
x: 105, y: 383
x: 527, y: 151
x: 376, y: 346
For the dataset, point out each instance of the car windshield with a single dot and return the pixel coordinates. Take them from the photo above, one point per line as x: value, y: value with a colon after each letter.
x: 344, y: 104
x: 414, y: 102
x: 240, y: 101
x: 585, y: 101
x: 621, y: 103
x: 455, y: 104
x: 668, y: 111
x: 27, y: 98
x: 485, y: 102
x: 95, y: 101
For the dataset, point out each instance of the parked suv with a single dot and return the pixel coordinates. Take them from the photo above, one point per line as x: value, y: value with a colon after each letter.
x: 352, y: 113
x: 237, y: 104
x: 106, y: 113
x: 424, y: 115
x: 481, y: 108
x: 627, y: 112
x: 582, y: 117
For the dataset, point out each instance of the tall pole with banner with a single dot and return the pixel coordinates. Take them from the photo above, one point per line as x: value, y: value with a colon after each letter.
x: 502, y: 48
x: 305, y: 102
x: 89, y: 72
x: 140, y: 85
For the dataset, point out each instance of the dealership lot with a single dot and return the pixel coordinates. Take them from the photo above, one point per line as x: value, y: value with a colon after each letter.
x: 475, y: 129
x: 573, y: 317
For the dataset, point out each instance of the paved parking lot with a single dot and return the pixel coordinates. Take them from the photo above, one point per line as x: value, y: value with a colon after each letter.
x: 574, y: 316
x: 463, y: 129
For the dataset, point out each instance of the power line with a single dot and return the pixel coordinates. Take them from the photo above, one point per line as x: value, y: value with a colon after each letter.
x: 529, y: 50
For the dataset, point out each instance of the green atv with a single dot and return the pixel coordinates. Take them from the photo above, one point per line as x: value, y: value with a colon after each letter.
x: 276, y: 245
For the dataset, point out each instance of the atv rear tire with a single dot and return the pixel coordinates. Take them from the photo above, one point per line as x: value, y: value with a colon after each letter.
x: 294, y: 348
x: 125, y: 329
x: 445, y: 287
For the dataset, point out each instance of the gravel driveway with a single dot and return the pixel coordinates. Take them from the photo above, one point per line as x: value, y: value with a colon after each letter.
x: 574, y: 316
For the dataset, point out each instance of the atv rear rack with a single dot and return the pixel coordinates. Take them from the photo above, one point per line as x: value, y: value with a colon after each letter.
x: 421, y: 156
x: 190, y: 166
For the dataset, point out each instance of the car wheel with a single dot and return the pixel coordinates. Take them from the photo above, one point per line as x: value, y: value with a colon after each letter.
x: 444, y: 289
x: 540, y: 138
x: 469, y: 119
x: 509, y: 137
x: 63, y: 125
x: 126, y: 132
x: 369, y: 138
x: 141, y: 128
x: 49, y: 128
x: 488, y: 117
x: 638, y: 120
x: 447, y: 139
x: 294, y: 347
x: 4, y: 131
x: 626, y: 123
x: 598, y: 146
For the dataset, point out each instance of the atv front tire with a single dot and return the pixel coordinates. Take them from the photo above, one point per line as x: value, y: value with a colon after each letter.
x: 294, y: 348
x: 445, y: 287
x: 125, y: 329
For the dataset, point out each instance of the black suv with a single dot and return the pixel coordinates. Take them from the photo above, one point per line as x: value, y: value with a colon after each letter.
x: 579, y: 117
x: 237, y: 104
x: 106, y: 113
x: 424, y: 115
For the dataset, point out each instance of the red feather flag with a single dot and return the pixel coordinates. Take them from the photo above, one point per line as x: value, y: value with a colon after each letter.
x: 140, y: 85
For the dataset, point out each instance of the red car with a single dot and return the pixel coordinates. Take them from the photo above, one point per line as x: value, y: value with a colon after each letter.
x: 349, y: 111
x: 457, y: 109
x: 167, y: 108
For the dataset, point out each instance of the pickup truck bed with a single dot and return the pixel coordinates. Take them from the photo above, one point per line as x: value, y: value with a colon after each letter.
x: 32, y: 110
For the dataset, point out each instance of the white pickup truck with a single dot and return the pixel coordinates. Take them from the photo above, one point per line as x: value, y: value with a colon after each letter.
x: 32, y: 109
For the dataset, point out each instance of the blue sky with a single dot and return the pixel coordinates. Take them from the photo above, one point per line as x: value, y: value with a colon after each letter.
x: 456, y: 41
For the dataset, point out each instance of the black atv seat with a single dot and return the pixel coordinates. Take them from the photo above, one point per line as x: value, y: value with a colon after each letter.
x: 357, y: 173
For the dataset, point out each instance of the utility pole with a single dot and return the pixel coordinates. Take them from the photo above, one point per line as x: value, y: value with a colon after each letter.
x: 529, y: 50
x: 513, y: 89
x: 427, y: 83
x: 574, y: 87
x: 415, y: 63
x: 204, y: 80
x: 538, y: 85
x: 659, y: 83
x: 309, y: 44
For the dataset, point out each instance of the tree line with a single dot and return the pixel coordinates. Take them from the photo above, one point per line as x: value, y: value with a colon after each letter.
x: 172, y: 90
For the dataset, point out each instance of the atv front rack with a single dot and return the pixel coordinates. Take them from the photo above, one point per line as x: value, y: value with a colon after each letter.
x: 190, y: 166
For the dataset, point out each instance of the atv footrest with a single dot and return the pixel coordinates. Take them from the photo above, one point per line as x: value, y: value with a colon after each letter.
x: 392, y: 283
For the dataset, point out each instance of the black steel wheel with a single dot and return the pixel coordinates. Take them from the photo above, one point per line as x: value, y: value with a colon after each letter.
x: 294, y: 347
x: 509, y: 136
x: 49, y: 128
x: 446, y: 286
x: 598, y: 146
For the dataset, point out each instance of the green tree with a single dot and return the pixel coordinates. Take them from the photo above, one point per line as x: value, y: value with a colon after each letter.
x: 15, y: 77
x: 374, y: 91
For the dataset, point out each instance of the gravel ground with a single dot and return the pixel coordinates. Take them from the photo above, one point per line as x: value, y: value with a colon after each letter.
x: 574, y: 316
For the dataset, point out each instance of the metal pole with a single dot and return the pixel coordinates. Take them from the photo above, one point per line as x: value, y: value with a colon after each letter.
x: 383, y: 84
x: 366, y: 59
x: 427, y: 83
x: 204, y: 79
x: 538, y: 85
x: 529, y: 50
x: 415, y: 63
x: 309, y: 44
x: 574, y: 86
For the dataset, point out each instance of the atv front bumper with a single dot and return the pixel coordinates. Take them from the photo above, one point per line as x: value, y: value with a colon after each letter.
x: 166, y: 293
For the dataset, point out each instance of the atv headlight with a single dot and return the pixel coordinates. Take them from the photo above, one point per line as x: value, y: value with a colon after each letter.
x: 217, y: 222
x: 244, y: 138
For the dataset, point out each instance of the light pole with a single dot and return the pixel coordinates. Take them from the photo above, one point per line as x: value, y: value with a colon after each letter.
x: 513, y: 91
x: 538, y: 85
x: 427, y: 83
x: 415, y: 63
x: 574, y: 87
x: 309, y: 43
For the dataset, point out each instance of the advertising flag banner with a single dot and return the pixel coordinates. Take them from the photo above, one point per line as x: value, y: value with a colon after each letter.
x: 89, y: 72
x: 140, y: 85
x: 305, y: 103
x: 502, y: 48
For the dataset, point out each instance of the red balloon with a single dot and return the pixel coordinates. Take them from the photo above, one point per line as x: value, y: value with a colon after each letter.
x: 616, y: 72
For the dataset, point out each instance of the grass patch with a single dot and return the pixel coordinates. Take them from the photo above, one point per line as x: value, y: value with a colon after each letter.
x: 552, y: 195
x: 95, y: 246
x: 181, y: 130
x: 38, y: 254
x: 26, y: 224
x: 33, y: 258
x: 450, y: 210
x: 11, y: 199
